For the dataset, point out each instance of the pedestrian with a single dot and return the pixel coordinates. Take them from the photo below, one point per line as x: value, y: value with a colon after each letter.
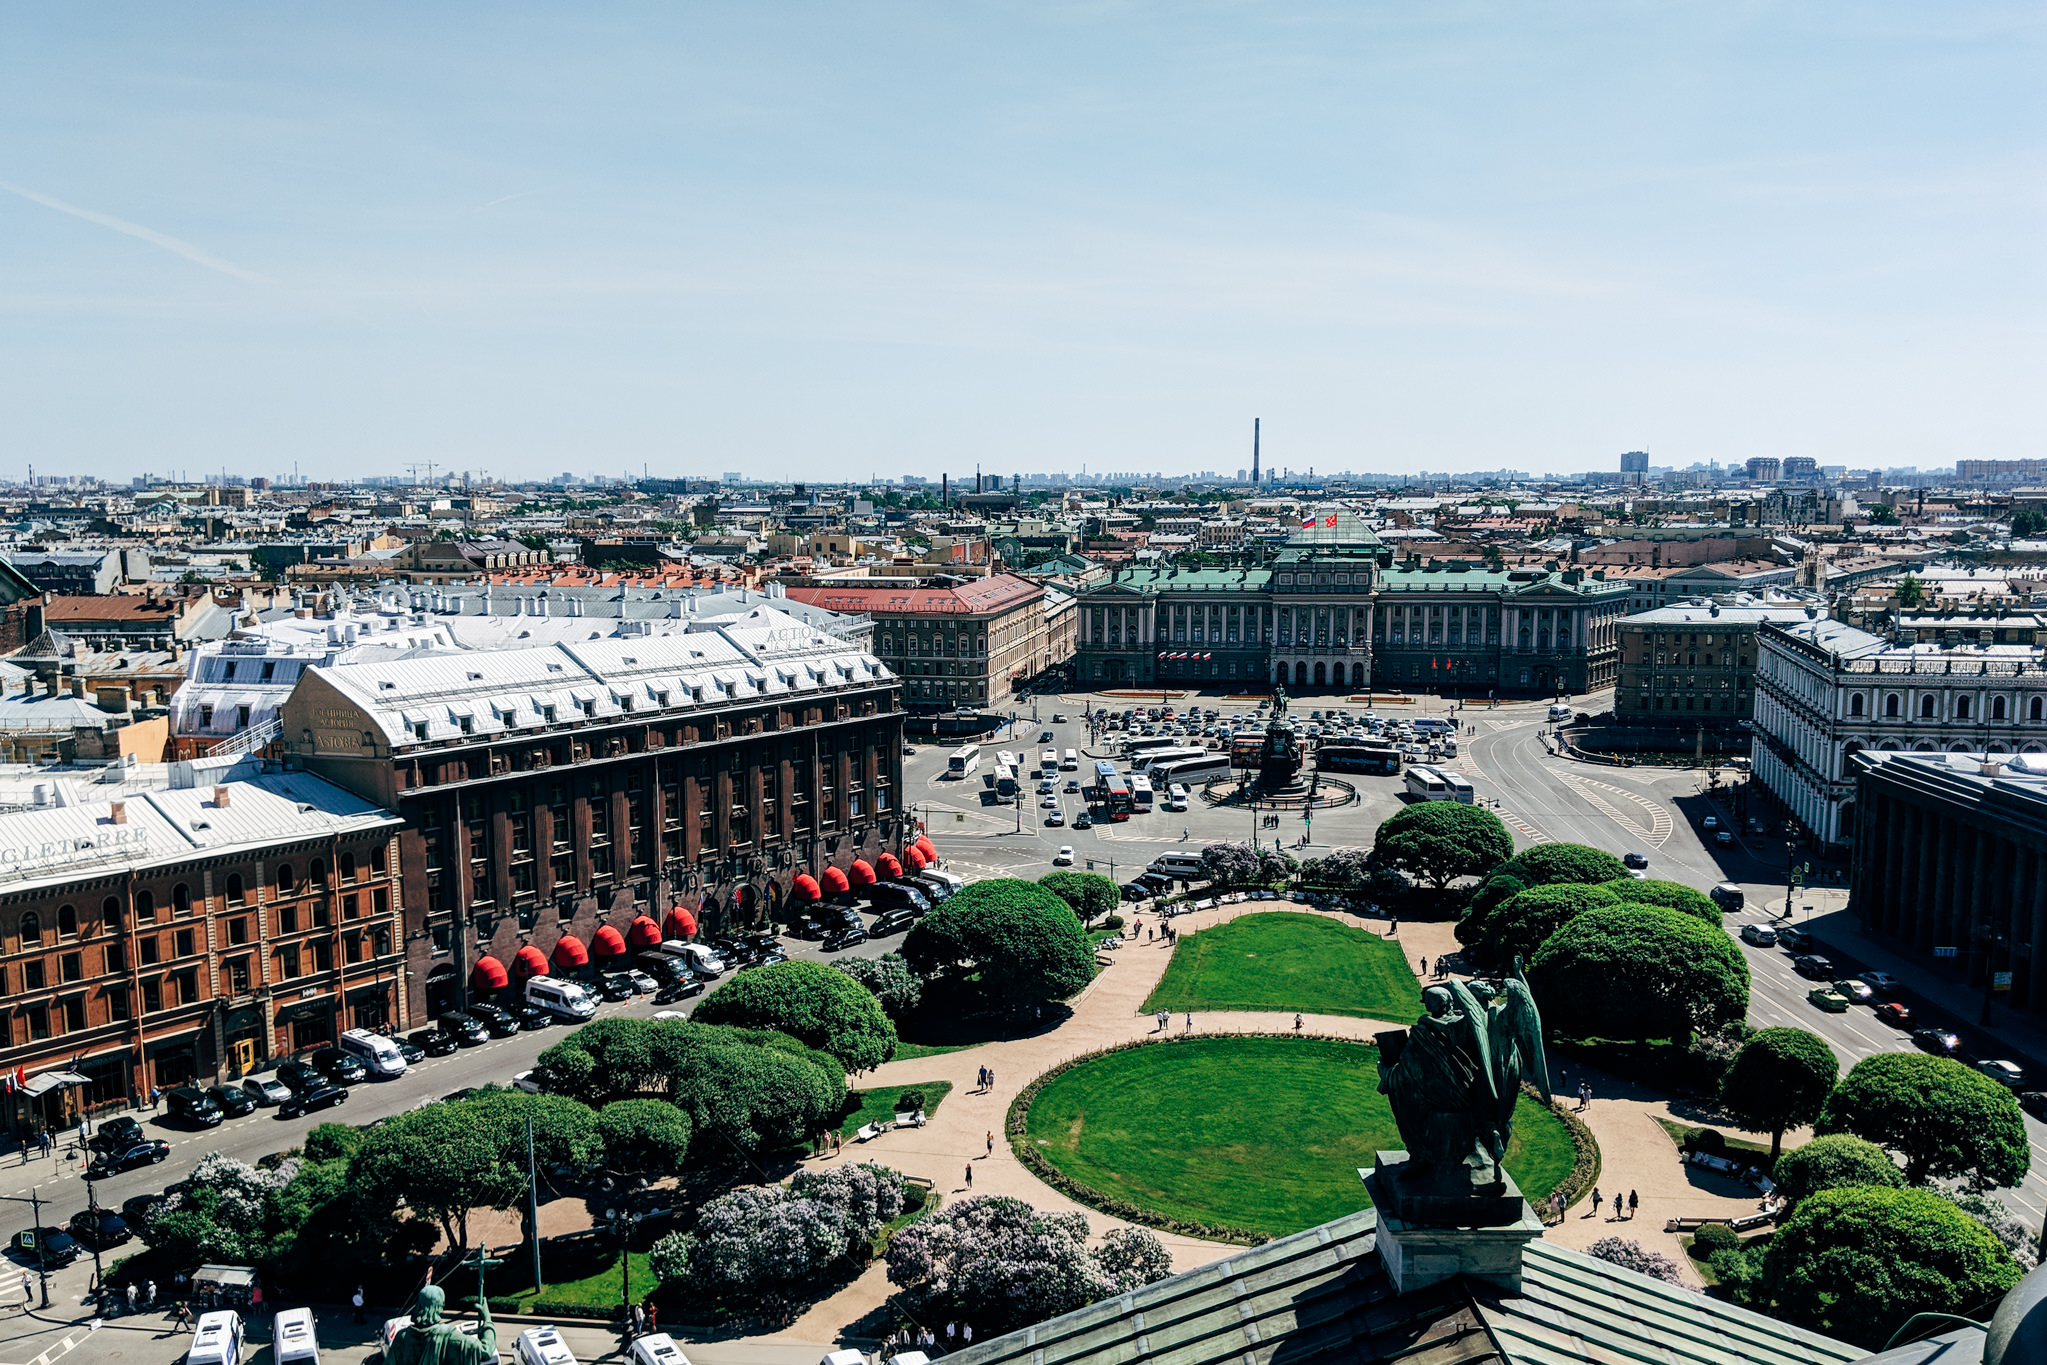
x: 155, y: 1097
x: 1425, y: 966
x: 1634, y: 1202
x: 1619, y: 1203
x: 28, y: 1287
x: 1392, y: 927
x: 967, y: 1331
x: 952, y: 1332
x: 357, y: 1301
x: 970, y: 1175
x: 131, y: 1296
x: 256, y: 1299
x: 636, y: 1322
x: 653, y: 1314
x: 1597, y: 1203
x: 1297, y: 1023
x: 991, y: 1078
x: 837, y: 1141
x: 991, y: 1142
x: 1147, y: 935
x: 48, y: 1142
x: 1190, y: 1021
x: 184, y: 1317
x: 149, y: 1293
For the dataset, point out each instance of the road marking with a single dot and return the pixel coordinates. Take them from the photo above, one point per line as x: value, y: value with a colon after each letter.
x: 1528, y: 831
x: 1659, y: 826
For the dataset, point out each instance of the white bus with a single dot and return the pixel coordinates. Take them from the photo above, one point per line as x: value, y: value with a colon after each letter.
x: 1005, y: 759
x: 964, y: 763
x: 1005, y: 782
x: 1460, y: 788
x: 1157, y: 758
x: 1426, y: 784
x: 1140, y: 794
x: 1190, y: 772
x: 1048, y: 761
x: 1137, y: 746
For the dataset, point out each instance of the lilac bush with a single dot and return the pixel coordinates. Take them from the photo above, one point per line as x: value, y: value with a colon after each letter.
x: 768, y: 1237
x: 1231, y: 864
x: 1000, y: 1264
x: 1632, y: 1255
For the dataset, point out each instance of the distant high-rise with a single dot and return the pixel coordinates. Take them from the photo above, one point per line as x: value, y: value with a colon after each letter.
x: 1764, y: 468
x: 1254, y: 450
x: 1635, y: 462
x: 1800, y: 468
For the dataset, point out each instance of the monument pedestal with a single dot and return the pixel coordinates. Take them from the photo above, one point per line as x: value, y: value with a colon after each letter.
x: 1426, y: 1238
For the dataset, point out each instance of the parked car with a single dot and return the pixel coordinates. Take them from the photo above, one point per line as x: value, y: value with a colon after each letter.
x: 1064, y: 857
x: 894, y: 895
x: 678, y: 990
x: 766, y: 959
x: 115, y: 1135
x: 1638, y: 860
x: 1722, y: 838
x: 1759, y: 935
x: 890, y: 922
x: 1939, y: 1041
x: 232, y: 1100
x: 311, y: 1100
x: 1881, y: 982
x: 2005, y: 1073
x: 141, y: 1154
x: 1894, y: 1014
x: 614, y: 986
x: 268, y: 1090
x: 339, y: 1066
x: 1137, y: 891
x: 499, y: 1022
x: 45, y: 1246
x: 433, y: 1042
x: 1856, y: 990
x: 842, y: 938
x: 99, y: 1228
x: 529, y: 1017
x: 1793, y: 938
x: 644, y: 984
x: 297, y: 1075
x: 2034, y: 1102
x: 1828, y: 999
x: 135, y: 1209
x: 463, y: 1029
x: 412, y: 1052
x: 1812, y: 967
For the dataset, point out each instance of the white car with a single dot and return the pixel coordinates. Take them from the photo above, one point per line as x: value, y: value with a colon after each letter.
x: 670, y: 1014
x: 266, y: 1090
x: 1064, y: 857
x: 1049, y: 803
x: 524, y: 1081
x: 644, y: 984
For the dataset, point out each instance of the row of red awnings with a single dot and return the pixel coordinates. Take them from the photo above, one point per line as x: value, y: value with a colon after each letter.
x: 490, y: 974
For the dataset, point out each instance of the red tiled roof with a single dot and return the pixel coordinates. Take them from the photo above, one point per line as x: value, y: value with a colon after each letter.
x: 981, y: 595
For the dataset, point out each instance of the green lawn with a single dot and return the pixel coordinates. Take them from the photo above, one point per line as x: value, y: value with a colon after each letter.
x: 910, y: 1052
x: 879, y: 1104
x: 1265, y: 1134
x: 1286, y: 961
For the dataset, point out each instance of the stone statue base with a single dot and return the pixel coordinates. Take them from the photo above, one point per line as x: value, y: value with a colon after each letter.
x: 1427, y: 1237
x: 1466, y: 1196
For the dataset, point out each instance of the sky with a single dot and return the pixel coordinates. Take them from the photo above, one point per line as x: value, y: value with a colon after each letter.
x: 818, y: 241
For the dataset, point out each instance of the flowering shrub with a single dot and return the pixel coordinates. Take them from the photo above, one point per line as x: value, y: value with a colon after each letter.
x: 1000, y: 1264
x: 1632, y: 1255
x: 757, y: 1241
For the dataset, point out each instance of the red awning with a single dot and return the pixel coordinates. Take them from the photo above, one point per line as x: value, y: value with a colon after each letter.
x: 804, y: 887
x: 570, y: 952
x: 488, y: 974
x: 835, y: 881
x: 530, y: 961
x: 861, y: 873
x: 916, y: 857
x: 887, y: 865
x: 680, y: 923
x: 607, y: 942
x: 924, y: 846
x: 643, y: 933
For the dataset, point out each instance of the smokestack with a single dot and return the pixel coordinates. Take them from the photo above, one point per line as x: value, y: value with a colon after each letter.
x: 945, y: 490
x: 1254, y: 452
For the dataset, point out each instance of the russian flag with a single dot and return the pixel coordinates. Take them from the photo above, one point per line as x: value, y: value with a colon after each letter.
x: 1307, y: 523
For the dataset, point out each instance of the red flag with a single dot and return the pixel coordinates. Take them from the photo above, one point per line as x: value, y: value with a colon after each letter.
x: 20, y: 1077
x: 1329, y: 520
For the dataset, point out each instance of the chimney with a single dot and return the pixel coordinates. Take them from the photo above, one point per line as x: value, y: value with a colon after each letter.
x: 113, y: 700
x: 78, y: 688
x: 220, y: 798
x: 117, y: 813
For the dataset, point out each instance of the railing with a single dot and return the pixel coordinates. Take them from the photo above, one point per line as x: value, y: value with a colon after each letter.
x: 248, y: 739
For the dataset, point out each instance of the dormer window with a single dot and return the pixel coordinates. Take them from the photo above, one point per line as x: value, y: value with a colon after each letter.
x: 419, y: 731
x: 467, y: 724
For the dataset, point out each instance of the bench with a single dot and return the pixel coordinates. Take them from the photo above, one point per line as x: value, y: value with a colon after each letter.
x: 1741, y: 1224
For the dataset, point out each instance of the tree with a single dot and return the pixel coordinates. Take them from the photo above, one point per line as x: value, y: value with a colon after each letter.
x: 1439, y: 841
x: 1348, y: 870
x: 899, y: 989
x: 1780, y: 1079
x: 1230, y: 864
x: 1673, y: 895
x: 1089, y: 893
x: 644, y: 1137
x: 1911, y: 592
x: 811, y: 1003
x: 997, y: 1261
x: 1632, y: 1255
x: 1945, y: 1119
x: 1548, y: 864
x: 1011, y: 942
x: 435, y: 1161
x: 1831, y: 1162
x: 758, y: 1098
x: 1856, y: 1262
x: 1883, y: 514
x: 1522, y: 923
x: 1638, y: 972
x: 771, y: 1239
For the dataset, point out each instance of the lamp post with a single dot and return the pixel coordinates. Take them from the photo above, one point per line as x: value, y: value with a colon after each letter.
x: 622, y: 1220
x: 34, y: 1200
x: 1991, y: 940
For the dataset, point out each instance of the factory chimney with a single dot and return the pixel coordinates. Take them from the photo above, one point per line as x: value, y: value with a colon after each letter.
x: 1254, y: 452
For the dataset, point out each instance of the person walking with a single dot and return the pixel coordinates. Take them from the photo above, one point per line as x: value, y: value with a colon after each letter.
x: 184, y: 1317
x: 1425, y: 966
x: 970, y: 1175
x: 1619, y: 1202
x: 1190, y: 1021
x: 1297, y: 1023
x: 256, y: 1299
x: 991, y: 1142
x: 1597, y: 1203
x: 967, y: 1331
x: 1634, y: 1202
x: 155, y: 1097
x: 131, y: 1296
x: 48, y: 1142
x: 357, y: 1300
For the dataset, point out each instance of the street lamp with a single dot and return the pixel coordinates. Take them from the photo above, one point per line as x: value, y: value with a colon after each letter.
x: 622, y: 1220
x: 34, y: 1200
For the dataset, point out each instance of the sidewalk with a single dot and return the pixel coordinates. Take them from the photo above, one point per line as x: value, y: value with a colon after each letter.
x: 1930, y: 980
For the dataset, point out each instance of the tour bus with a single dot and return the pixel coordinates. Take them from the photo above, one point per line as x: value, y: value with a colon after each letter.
x: 1049, y: 761
x: 1104, y: 770
x: 1071, y: 762
x: 964, y: 763
x: 1426, y: 784
x: 1190, y: 772
x: 1137, y: 746
x: 1140, y: 793
x: 1005, y: 782
x: 1154, y: 758
x: 1116, y: 796
x: 1348, y: 756
x: 1005, y: 759
x: 1460, y: 788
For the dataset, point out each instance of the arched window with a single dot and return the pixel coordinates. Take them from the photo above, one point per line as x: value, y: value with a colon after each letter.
x: 1997, y: 708
x: 286, y: 879
x: 110, y: 911
x: 67, y: 921
x: 1891, y: 707
x: 1961, y: 708
x: 1855, y: 704
x: 235, y: 894
x: 31, y: 929
x: 1926, y: 707
x: 2033, y: 709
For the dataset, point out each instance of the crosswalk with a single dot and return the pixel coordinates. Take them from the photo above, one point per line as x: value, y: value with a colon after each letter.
x: 1654, y: 825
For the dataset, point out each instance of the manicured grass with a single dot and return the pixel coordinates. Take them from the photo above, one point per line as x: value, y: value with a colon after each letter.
x: 1265, y: 1134
x: 879, y: 1105
x: 909, y: 1052
x: 1681, y: 1133
x: 595, y: 1293
x: 1285, y: 961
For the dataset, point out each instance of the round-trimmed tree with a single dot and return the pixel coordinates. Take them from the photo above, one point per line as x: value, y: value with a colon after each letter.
x: 1834, y: 1161
x: 1012, y: 942
x: 1856, y: 1262
x: 1638, y: 972
x: 1522, y: 923
x: 1439, y: 841
x: 1548, y: 864
x: 1089, y: 893
x: 644, y: 1137
x: 1674, y: 895
x: 811, y: 1003
x: 1946, y: 1120
x: 1780, y: 1079
x: 899, y: 989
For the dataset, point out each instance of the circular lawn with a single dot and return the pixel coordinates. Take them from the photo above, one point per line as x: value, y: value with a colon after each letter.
x: 1264, y: 1134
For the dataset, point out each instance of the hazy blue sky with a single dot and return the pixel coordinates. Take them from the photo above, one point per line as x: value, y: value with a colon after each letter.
x: 834, y: 239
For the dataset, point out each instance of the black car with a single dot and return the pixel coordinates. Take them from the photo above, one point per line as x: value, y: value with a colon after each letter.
x: 843, y: 938
x: 336, y: 1065
x: 45, y: 1246
x: 463, y: 1029
x: 891, y: 922
x: 896, y: 896
x: 1939, y: 1041
x: 678, y: 990
x: 807, y: 925
x: 615, y: 988
x: 739, y: 952
x: 1797, y: 940
x: 232, y: 1099
x: 135, y: 1209
x: 412, y: 1052
x: 433, y: 1042
x: 2034, y: 1102
x: 116, y: 1135
x: 762, y: 943
x: 99, y: 1228
x: 767, y: 959
x: 1083, y: 821
x: 500, y: 1023
x: 322, y: 1096
x: 297, y: 1076
x: 1138, y: 891
x: 1810, y: 966
x: 141, y: 1154
x: 529, y: 1017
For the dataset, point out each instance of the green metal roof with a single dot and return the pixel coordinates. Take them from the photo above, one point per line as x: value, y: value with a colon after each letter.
x: 1478, y: 578
x: 1190, y: 580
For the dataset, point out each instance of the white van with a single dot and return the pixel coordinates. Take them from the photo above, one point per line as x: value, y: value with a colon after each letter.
x: 217, y: 1340
x: 702, y: 962
x: 1182, y: 865
x: 292, y: 1341
x: 1070, y: 763
x: 563, y: 999
x: 843, y: 1358
x: 657, y: 1348
x: 1560, y: 713
x: 957, y: 883
x: 374, y: 1051
x: 542, y: 1346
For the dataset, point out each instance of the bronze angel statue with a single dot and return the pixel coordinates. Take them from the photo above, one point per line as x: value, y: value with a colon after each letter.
x: 1453, y: 1079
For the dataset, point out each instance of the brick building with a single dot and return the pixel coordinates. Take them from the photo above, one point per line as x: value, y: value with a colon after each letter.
x: 965, y: 644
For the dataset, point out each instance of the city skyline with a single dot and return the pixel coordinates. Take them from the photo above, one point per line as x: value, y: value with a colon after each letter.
x: 810, y: 242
